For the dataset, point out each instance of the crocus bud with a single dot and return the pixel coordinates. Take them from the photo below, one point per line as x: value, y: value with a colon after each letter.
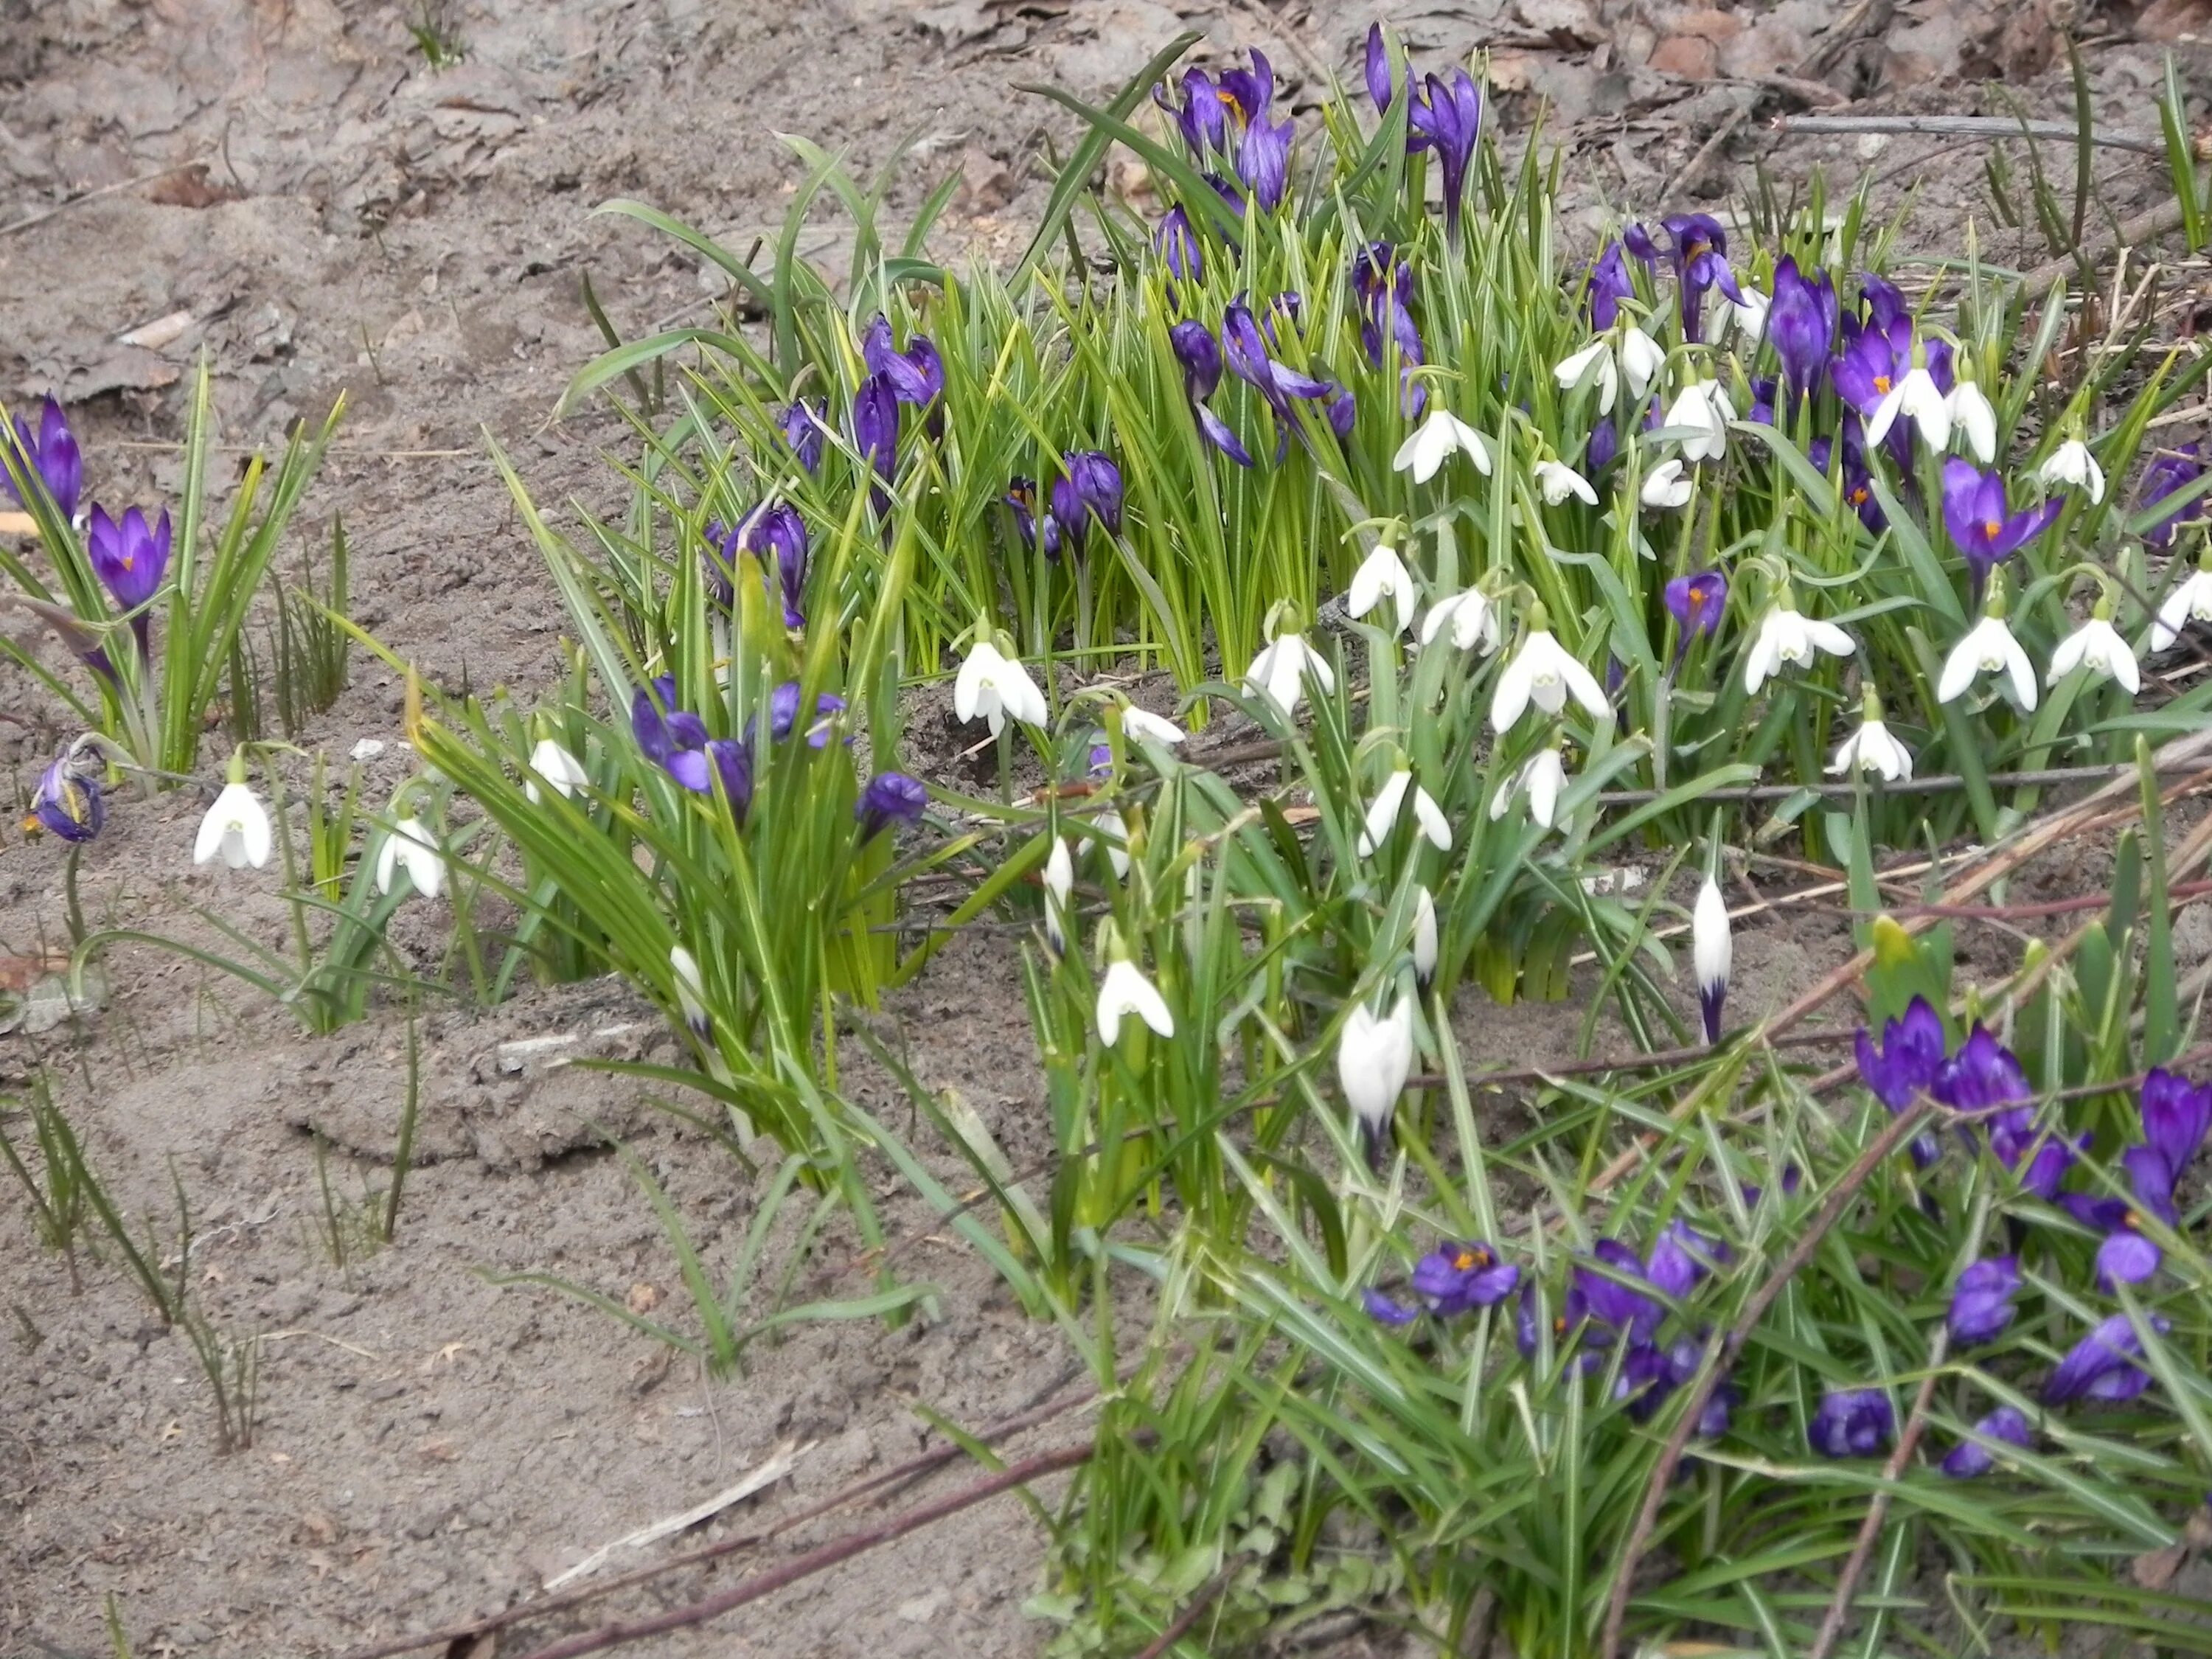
x: 1374, y: 1058
x: 1712, y: 952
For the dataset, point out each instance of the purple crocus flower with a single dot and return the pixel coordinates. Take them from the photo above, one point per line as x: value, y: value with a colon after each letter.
x: 803, y: 430
x: 1343, y: 410
x: 1379, y: 80
x: 1610, y: 1300
x: 1869, y: 365
x: 1602, y: 449
x: 1697, y: 602
x: 1202, y: 117
x: 2102, y: 1364
x: 1608, y: 284
x: 2018, y: 1140
x: 1381, y: 1309
x: 1456, y: 1278
x: 783, y: 714
x: 916, y: 375
x: 1176, y: 241
x: 733, y: 763
x: 2175, y: 1116
x: 1245, y: 351
x: 1909, y: 1059
x: 1856, y: 483
x: 1384, y: 285
x: 1800, y: 323
x: 68, y: 802
x: 776, y: 536
x: 1851, y: 1423
x: 1091, y: 486
x: 2172, y: 471
x: 1981, y: 1302
x: 51, y: 455
x: 1981, y: 1077
x: 1700, y: 255
x: 1638, y: 240
x: 1263, y: 154
x: 889, y: 798
x: 672, y: 738
x: 1970, y: 1458
x: 1447, y: 119
x: 1022, y: 497
x: 876, y: 432
x: 1974, y: 512
x: 1196, y: 350
x: 131, y: 560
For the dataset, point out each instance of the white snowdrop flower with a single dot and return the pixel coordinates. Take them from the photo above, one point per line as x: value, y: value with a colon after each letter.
x: 1543, y: 778
x: 1382, y: 574
x: 1114, y: 836
x: 553, y: 763
x: 1279, y: 672
x: 1542, y: 673
x: 1971, y: 414
x: 1141, y: 723
x: 1667, y: 485
x: 995, y: 686
x: 1787, y: 635
x: 1374, y: 1059
x: 1471, y: 618
x: 1597, y: 355
x: 2097, y: 646
x: 2191, y: 601
x: 1058, y: 883
x: 1749, y: 313
x: 1425, y: 937
x: 1125, y: 990
x: 1712, y: 952
x: 1557, y: 481
x: 367, y: 750
x: 1382, y: 814
x: 691, y: 989
x: 1640, y: 360
x: 1430, y: 444
x: 1988, y: 648
x: 412, y: 847
x: 2071, y: 463
x: 1873, y: 747
x: 235, y: 830
x: 1916, y: 397
x: 1704, y: 408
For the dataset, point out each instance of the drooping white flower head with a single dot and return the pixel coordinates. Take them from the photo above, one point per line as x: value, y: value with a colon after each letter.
x: 1787, y: 635
x: 1712, y: 953
x: 1472, y: 618
x: 1749, y: 315
x: 1382, y: 814
x: 1971, y: 414
x: 412, y: 847
x: 2191, y: 601
x: 236, y: 828
x: 1059, y: 885
x: 997, y: 687
x: 1279, y: 672
x: 1374, y: 1058
x: 1425, y: 937
x: 2097, y: 646
x: 1143, y: 723
x: 1542, y: 673
x: 1429, y: 445
x: 1703, y: 407
x: 1667, y: 485
x: 1543, y: 778
x: 1125, y: 990
x: 1916, y: 397
x: 2071, y: 463
x: 1382, y: 575
x: 1988, y: 648
x: 691, y: 989
x: 1556, y: 481
x: 1873, y: 747
x: 553, y: 763
x: 1596, y: 358
x: 1642, y: 361
x: 1114, y: 835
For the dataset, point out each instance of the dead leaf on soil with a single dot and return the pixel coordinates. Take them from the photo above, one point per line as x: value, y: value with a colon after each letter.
x: 643, y: 1299
x: 2175, y: 20
x: 191, y: 187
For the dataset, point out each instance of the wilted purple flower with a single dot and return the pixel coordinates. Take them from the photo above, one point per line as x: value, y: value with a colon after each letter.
x: 1851, y: 1423
x: 1200, y: 355
x: 1981, y: 1076
x: 1981, y: 1302
x: 776, y: 536
x: 1448, y: 120
x: 1608, y: 285
x: 1700, y: 255
x: 131, y: 560
x: 1697, y: 602
x: 803, y: 429
x: 783, y: 714
x: 2102, y: 1364
x: 68, y: 802
x: 1801, y: 320
x: 51, y: 455
x: 732, y: 761
x: 2172, y: 472
x: 1176, y: 241
x: 1764, y: 391
x: 1970, y: 1458
x: 1459, y: 1278
x: 890, y: 797
x: 1974, y: 512
x: 672, y: 738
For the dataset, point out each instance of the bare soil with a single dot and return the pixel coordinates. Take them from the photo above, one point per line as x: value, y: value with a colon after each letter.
x: 348, y: 221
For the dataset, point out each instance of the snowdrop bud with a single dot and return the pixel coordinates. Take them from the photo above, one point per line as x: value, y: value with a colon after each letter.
x: 691, y: 989
x: 1424, y: 938
x: 1712, y: 953
x: 1142, y: 723
x: 1374, y: 1058
x: 1058, y: 883
x: 553, y: 763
